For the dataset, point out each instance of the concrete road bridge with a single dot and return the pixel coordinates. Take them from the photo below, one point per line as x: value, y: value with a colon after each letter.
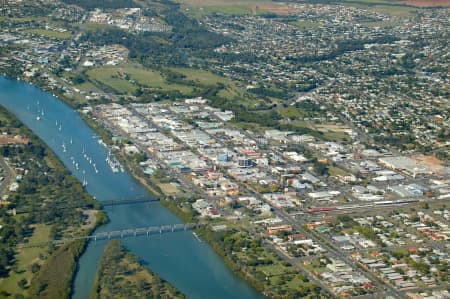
x: 120, y: 234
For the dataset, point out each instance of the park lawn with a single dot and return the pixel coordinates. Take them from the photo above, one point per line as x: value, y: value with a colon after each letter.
x: 306, y: 24
x: 273, y: 270
x: 294, y: 283
x: 154, y: 79
x: 232, y: 88
x: 334, y: 136
x: 291, y: 112
x: 110, y: 76
x: 168, y: 189
x: 114, y: 78
x: 243, y: 97
x: 25, y: 258
x: 203, y: 77
x: 95, y: 26
x: 50, y: 33
x: 336, y: 171
x: 87, y: 86
x: 250, y: 126
x: 312, y: 269
x: 332, y: 127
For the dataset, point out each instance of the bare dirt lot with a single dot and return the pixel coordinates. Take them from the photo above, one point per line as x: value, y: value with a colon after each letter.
x: 430, y: 161
x: 281, y: 9
x: 428, y: 3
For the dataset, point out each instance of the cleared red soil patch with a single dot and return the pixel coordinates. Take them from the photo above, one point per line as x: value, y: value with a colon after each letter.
x: 431, y: 162
x: 278, y: 9
x: 428, y: 3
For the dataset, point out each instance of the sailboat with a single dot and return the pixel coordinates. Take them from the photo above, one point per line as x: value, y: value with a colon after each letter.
x: 38, y: 117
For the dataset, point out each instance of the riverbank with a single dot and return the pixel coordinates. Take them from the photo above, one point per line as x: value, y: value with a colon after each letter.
x: 44, y: 272
x: 182, y: 208
x: 245, y: 254
x: 106, y: 137
x: 104, y: 184
x: 121, y: 275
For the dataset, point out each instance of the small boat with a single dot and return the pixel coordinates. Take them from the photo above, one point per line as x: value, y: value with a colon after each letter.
x: 38, y: 117
x: 197, y: 237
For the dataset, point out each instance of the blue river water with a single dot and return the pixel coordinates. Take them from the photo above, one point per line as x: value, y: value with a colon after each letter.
x: 191, y: 266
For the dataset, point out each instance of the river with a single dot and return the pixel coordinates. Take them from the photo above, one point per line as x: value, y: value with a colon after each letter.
x: 178, y: 257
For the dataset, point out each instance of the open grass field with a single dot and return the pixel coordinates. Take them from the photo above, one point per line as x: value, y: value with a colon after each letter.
x: 273, y: 270
x: 202, y: 76
x: 205, y: 78
x: 25, y: 258
x: 23, y: 19
x: 306, y: 24
x: 225, y: 9
x: 168, y: 189
x: 50, y: 33
x: 111, y: 76
x: 126, y: 79
x: 333, y: 132
x: 399, y: 11
x: 402, y: 8
x: 336, y: 171
x: 87, y: 86
x: 200, y: 8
